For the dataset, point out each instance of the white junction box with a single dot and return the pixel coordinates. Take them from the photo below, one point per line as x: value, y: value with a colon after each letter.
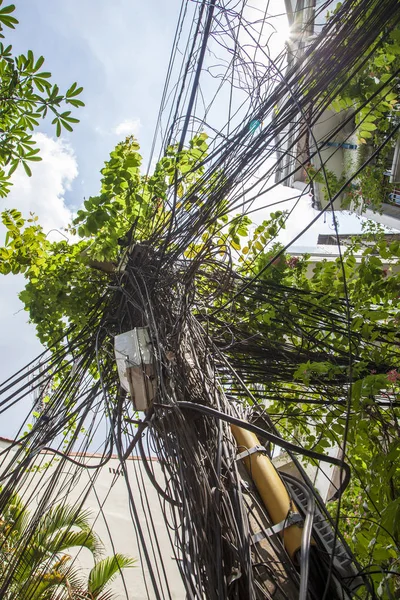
x: 134, y: 356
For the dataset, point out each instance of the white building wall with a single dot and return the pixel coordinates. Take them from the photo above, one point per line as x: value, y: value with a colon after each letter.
x: 109, y: 491
x: 322, y: 476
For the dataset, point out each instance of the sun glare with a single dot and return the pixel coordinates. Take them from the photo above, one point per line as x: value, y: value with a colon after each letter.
x: 282, y: 28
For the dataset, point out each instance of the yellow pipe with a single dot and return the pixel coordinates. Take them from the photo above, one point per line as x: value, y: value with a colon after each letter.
x: 270, y: 487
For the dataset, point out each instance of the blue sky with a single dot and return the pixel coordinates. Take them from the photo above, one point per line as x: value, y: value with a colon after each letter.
x: 119, y: 52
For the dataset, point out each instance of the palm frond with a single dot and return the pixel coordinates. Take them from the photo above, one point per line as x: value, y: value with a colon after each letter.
x: 15, y: 515
x: 108, y: 595
x: 64, y: 516
x: 63, y: 540
x: 44, y: 587
x: 105, y: 571
x: 26, y: 560
x: 39, y: 562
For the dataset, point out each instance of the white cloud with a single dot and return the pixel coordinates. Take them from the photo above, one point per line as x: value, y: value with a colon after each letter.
x: 43, y: 193
x: 128, y: 127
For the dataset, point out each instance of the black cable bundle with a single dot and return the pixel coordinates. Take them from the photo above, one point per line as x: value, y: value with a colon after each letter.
x: 213, y: 365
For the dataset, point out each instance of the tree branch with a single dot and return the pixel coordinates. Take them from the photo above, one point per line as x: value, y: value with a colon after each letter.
x: 105, y: 266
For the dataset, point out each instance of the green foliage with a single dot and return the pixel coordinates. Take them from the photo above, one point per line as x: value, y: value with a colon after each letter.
x: 262, y: 235
x: 56, y: 274
x: 126, y: 196
x: 66, y: 279
x: 371, y: 91
x: 105, y: 571
x: 42, y: 569
x: 371, y: 505
x: 27, y: 95
x: 369, y: 190
x: 331, y: 184
x: 380, y: 68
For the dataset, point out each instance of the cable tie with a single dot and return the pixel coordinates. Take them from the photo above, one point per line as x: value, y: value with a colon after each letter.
x: 250, y: 451
x: 292, y: 519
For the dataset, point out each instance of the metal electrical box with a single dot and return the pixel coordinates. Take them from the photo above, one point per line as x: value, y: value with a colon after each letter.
x: 134, y: 356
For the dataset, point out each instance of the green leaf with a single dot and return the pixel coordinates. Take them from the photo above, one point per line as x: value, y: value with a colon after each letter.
x: 27, y: 169
x: 7, y: 20
x: 75, y: 102
x: 368, y: 126
x: 74, y: 91
x: 7, y: 9
x: 105, y: 571
x: 235, y: 243
x: 66, y: 126
x: 13, y: 167
x: 44, y: 75
x: 39, y: 63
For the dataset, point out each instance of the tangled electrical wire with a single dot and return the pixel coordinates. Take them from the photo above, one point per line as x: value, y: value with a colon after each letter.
x: 216, y: 362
